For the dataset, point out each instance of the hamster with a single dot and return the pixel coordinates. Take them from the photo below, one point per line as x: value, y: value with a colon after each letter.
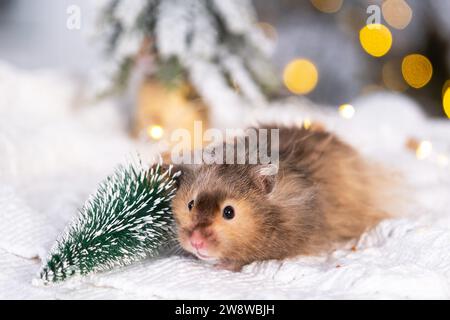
x: 323, y: 194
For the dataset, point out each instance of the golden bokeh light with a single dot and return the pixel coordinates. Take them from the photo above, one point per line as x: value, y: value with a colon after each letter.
x: 327, y: 6
x: 424, y: 150
x: 397, y: 13
x: 346, y: 111
x: 307, y: 123
x: 446, y: 102
x: 300, y: 76
x: 376, y: 39
x: 417, y: 70
x: 155, y: 132
x: 392, y: 76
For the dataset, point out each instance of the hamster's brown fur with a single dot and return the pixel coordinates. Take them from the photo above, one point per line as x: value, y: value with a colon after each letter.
x: 324, y: 193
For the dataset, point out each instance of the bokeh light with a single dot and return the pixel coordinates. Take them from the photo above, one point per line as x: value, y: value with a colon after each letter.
x: 446, y: 102
x: 155, y: 132
x: 327, y: 6
x: 392, y: 76
x: 397, y: 13
x: 424, y: 150
x: 307, y: 123
x: 417, y: 70
x: 300, y: 76
x: 346, y: 111
x: 376, y: 39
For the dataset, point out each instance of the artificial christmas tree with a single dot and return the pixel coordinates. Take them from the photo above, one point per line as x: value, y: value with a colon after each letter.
x: 128, y: 219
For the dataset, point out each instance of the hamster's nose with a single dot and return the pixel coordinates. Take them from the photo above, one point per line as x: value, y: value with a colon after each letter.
x: 197, y: 240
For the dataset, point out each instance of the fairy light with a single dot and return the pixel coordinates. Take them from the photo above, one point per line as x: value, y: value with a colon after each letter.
x: 424, y: 150
x: 376, y: 39
x: 155, y: 132
x: 397, y: 13
x: 346, y: 111
x: 307, y: 123
x: 417, y: 70
x: 327, y: 6
x: 300, y: 76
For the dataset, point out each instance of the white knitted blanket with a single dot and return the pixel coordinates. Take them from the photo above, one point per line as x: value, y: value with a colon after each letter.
x: 53, y: 151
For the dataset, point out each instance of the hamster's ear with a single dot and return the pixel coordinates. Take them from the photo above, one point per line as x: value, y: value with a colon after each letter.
x: 266, y: 176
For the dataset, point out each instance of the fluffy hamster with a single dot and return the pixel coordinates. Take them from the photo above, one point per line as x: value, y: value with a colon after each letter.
x: 324, y: 193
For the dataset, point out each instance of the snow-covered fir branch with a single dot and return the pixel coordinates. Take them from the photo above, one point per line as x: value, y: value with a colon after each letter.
x: 126, y: 220
x: 218, y: 44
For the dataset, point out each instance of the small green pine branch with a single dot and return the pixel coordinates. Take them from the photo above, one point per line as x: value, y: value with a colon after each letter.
x: 126, y: 220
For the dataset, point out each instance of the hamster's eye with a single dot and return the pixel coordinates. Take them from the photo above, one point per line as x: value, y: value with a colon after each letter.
x: 228, y: 212
x: 190, y: 205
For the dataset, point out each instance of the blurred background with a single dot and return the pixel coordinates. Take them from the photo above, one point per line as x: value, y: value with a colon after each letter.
x: 319, y: 49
